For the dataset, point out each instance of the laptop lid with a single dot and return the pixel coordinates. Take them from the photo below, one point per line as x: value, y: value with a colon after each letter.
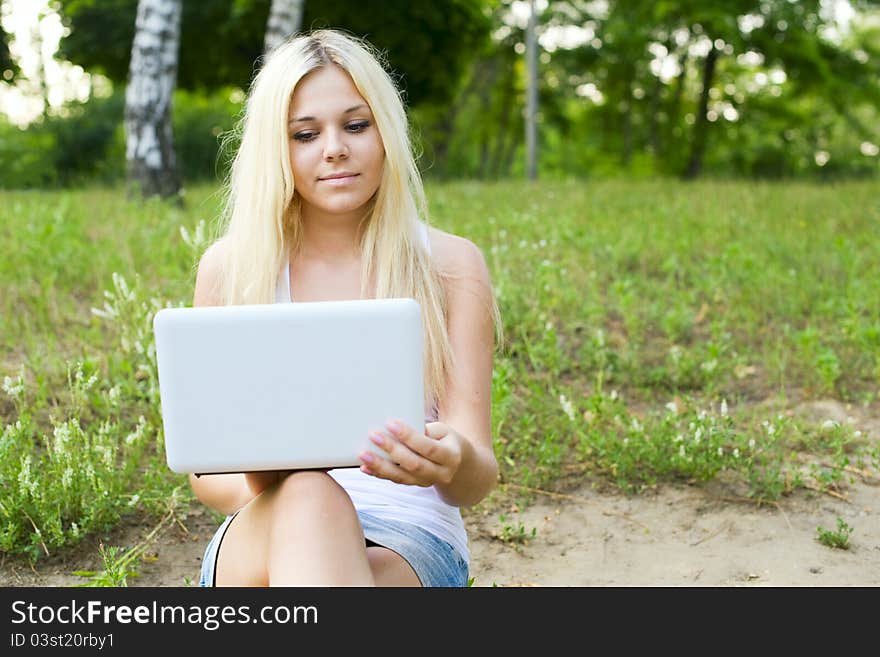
x: 285, y: 386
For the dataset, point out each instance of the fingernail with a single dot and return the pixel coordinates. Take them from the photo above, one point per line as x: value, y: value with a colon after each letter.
x: 393, y: 426
x: 367, y: 457
x: 377, y: 439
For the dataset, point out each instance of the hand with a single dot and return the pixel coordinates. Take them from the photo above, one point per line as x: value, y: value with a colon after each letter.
x: 414, y: 458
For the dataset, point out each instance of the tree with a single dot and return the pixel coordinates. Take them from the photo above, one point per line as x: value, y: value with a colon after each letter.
x: 716, y: 48
x: 8, y: 68
x: 150, y: 156
x: 428, y: 45
x: 285, y: 19
x: 532, y: 95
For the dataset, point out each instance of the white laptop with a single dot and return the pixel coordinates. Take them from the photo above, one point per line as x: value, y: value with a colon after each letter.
x: 287, y: 385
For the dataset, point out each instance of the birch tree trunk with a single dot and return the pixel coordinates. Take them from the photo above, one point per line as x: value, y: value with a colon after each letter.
x: 149, y: 139
x: 285, y: 19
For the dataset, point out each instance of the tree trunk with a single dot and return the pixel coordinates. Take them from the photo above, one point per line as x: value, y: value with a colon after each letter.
x: 532, y: 95
x: 626, y: 131
x: 698, y: 143
x: 508, y: 108
x: 444, y: 127
x: 42, y: 78
x: 486, y: 106
x: 149, y: 138
x: 285, y: 20
x: 673, y: 118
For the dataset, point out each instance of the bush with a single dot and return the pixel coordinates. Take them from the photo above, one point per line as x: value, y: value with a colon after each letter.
x: 200, y: 121
x: 26, y: 157
x: 85, y: 142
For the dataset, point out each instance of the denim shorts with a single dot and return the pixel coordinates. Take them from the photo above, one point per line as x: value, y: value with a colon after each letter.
x: 435, y: 562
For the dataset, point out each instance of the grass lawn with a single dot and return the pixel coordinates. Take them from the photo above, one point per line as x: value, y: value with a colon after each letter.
x: 654, y: 331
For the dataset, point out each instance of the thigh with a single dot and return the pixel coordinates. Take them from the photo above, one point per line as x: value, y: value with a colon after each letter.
x: 390, y: 569
x: 433, y: 561
x: 241, y: 559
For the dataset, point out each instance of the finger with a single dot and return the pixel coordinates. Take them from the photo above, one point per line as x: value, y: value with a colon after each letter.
x: 436, y: 430
x: 416, y: 441
x: 385, y: 469
x: 401, y: 455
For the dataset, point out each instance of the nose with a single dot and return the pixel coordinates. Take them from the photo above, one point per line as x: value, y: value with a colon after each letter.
x: 335, y: 147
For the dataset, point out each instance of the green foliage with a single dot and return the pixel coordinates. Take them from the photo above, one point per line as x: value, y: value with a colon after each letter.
x: 815, y: 120
x: 222, y: 41
x: 82, y: 143
x: 620, y: 298
x: 82, y: 443
x: 514, y: 531
x: 60, y: 486
x: 8, y: 67
x: 86, y: 142
x: 654, y: 331
x: 26, y: 157
x: 200, y: 121
x: 117, y: 569
x: 838, y: 539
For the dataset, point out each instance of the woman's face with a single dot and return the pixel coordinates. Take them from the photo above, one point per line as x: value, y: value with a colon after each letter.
x: 336, y: 152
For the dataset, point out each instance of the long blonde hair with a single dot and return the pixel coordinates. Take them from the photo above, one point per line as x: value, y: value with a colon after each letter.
x: 261, y: 213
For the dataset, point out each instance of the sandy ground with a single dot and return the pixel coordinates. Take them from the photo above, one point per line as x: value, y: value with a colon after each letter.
x: 674, y: 536
x: 685, y: 536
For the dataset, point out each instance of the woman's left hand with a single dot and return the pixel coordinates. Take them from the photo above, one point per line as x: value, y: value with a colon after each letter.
x: 415, y: 458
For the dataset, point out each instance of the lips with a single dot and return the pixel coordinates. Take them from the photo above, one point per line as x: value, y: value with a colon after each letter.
x: 342, y: 175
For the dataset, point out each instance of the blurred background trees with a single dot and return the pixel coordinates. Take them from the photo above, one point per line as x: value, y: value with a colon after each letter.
x: 686, y: 88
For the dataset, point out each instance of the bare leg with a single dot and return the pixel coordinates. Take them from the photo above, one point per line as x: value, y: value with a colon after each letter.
x: 303, y: 531
x: 390, y: 569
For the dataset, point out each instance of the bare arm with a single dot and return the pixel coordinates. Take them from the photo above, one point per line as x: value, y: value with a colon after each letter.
x: 224, y: 492
x: 454, y: 454
x: 467, y: 409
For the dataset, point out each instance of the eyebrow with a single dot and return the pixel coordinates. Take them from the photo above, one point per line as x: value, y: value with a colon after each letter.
x: 302, y: 119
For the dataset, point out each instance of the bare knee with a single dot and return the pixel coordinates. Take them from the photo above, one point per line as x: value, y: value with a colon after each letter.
x: 310, y: 492
x: 307, y: 507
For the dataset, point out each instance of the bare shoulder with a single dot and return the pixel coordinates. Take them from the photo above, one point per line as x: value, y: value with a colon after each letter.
x: 207, y: 288
x: 457, y: 257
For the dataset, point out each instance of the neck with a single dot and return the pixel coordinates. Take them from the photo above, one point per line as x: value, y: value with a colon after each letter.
x: 331, y: 237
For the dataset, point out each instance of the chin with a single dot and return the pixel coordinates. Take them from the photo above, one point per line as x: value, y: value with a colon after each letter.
x: 343, y: 206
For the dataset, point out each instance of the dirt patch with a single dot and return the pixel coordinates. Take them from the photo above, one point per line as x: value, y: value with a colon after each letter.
x: 681, y: 536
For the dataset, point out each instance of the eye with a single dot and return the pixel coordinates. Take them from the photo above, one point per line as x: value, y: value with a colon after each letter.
x: 305, y: 135
x: 357, y: 126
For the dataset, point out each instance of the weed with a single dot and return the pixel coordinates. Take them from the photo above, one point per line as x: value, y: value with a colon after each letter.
x: 835, y: 539
x: 117, y: 564
x: 515, y: 531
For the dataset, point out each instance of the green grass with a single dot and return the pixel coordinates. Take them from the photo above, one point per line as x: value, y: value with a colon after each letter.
x: 655, y: 331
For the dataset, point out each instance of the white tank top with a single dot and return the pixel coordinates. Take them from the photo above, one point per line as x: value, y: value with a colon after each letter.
x: 419, y: 505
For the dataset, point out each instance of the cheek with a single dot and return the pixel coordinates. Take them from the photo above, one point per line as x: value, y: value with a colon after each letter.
x: 299, y: 166
x: 378, y: 155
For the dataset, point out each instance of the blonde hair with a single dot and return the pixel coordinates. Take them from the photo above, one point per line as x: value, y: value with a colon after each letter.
x: 261, y: 213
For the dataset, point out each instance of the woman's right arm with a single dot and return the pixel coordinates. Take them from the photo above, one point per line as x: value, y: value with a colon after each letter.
x: 224, y: 492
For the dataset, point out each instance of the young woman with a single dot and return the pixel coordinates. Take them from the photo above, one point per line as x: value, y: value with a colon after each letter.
x: 325, y: 203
